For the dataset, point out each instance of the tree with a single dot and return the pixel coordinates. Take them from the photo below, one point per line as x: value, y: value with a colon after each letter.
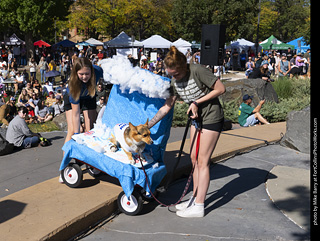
x: 188, y: 16
x: 109, y: 18
x: 292, y: 18
x: 32, y: 17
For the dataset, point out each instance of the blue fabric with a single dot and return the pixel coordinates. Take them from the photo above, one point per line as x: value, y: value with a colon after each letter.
x: 124, y: 108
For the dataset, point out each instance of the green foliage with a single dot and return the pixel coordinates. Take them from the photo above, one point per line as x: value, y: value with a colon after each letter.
x: 33, y: 17
x: 180, y: 117
x: 283, y: 87
x: 142, y: 18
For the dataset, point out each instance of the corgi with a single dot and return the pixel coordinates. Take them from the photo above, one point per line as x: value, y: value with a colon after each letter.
x: 132, y: 139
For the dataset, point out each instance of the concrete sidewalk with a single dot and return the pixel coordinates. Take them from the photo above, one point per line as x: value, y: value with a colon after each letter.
x: 51, y: 211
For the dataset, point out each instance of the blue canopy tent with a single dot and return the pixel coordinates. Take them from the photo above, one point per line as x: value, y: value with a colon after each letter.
x: 303, y: 47
x: 65, y: 43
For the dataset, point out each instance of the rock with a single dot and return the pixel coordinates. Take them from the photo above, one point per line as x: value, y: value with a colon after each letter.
x: 259, y: 88
x: 61, y: 122
x: 297, y: 135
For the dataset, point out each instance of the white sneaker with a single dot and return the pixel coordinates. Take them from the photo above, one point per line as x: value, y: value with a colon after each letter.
x: 194, y: 211
x: 184, y: 205
x: 60, y: 179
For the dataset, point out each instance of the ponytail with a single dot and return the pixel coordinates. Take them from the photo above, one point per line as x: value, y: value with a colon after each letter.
x: 175, y: 59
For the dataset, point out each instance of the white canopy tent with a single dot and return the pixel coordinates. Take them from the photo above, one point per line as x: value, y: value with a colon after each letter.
x: 242, y: 44
x: 156, y: 41
x: 94, y: 42
x: 182, y: 45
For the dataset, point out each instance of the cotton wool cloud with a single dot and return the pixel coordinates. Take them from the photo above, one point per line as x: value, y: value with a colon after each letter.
x: 118, y: 70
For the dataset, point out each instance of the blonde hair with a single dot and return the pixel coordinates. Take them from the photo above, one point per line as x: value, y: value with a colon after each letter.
x: 75, y: 83
x: 175, y: 59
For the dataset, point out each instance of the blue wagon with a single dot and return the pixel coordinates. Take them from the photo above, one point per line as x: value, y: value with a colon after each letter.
x: 123, y: 107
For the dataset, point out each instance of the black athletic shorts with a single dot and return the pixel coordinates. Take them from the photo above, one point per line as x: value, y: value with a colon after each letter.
x: 212, y: 127
x: 85, y: 104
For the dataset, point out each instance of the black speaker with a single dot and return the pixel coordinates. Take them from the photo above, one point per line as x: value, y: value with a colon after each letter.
x: 213, y: 38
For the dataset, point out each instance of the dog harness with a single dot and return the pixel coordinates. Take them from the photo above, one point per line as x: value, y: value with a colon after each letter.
x: 119, y: 134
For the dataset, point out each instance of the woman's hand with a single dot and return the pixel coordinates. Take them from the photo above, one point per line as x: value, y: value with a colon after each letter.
x: 193, y: 111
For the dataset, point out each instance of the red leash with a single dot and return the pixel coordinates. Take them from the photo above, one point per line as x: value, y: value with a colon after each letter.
x: 189, y: 178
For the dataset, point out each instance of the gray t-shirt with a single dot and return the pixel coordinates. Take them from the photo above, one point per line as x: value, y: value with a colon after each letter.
x: 42, y: 113
x: 17, y: 131
x: 196, y: 84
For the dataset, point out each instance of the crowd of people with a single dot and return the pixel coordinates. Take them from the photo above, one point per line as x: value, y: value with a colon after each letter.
x: 284, y: 63
x: 37, y: 100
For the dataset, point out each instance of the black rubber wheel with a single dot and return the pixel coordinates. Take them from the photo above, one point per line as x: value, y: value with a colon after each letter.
x: 94, y: 172
x: 72, y: 175
x: 131, y: 206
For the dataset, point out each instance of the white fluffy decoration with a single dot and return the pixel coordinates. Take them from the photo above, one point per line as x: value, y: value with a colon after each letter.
x: 118, y: 70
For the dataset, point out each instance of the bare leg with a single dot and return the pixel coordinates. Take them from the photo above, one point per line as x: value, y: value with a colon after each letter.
x: 201, y: 175
x: 258, y: 116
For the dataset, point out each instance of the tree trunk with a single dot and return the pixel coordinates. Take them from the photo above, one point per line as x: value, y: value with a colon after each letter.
x: 29, y: 45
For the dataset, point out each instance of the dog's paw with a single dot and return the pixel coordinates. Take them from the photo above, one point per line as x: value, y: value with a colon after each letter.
x: 113, y: 148
x: 132, y: 162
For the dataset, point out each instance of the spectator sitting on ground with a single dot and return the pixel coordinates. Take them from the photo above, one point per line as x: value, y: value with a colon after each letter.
x: 42, y: 112
x: 58, y: 106
x: 249, y: 116
x: 30, y: 117
x: 23, y: 98
x: 29, y: 88
x: 262, y: 72
x: 47, y: 88
x: 19, y: 82
x: 36, y: 86
x: 18, y: 132
x: 50, y: 99
x: 33, y: 101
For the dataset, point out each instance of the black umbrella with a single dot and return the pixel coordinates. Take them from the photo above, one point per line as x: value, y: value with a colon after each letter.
x: 52, y: 73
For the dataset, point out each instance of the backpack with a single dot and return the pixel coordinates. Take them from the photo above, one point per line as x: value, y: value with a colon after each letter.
x: 5, y: 146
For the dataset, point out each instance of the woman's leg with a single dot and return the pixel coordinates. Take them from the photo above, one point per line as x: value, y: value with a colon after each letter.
x: 201, y: 174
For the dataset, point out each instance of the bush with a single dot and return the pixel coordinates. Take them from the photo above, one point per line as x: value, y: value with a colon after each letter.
x: 283, y: 87
x: 180, y: 114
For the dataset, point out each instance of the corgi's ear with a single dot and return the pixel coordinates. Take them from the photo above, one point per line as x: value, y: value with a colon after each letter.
x: 131, y: 126
x: 146, y: 124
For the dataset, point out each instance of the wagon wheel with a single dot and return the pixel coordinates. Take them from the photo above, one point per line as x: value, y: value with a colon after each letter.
x: 132, y: 205
x: 72, y: 175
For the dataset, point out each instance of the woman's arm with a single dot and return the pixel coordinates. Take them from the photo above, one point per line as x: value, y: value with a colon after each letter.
x: 76, y: 117
x: 163, y: 111
x: 217, y: 89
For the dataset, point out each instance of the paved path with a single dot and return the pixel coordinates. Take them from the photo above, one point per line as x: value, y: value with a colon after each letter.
x: 51, y: 211
x: 237, y: 205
